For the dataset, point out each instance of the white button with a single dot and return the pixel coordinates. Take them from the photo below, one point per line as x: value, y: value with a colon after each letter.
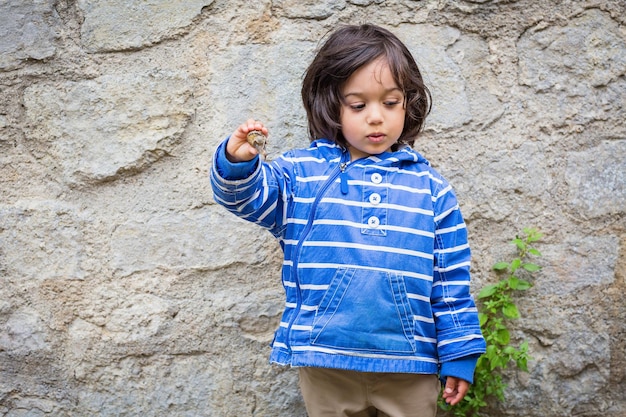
x: 373, y: 222
x: 375, y: 198
x: 377, y: 178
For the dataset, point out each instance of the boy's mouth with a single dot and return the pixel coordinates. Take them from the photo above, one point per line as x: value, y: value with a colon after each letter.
x: 376, y: 137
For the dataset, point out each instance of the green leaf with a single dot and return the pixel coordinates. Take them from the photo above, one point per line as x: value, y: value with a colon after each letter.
x: 521, y: 245
x: 515, y: 264
x: 531, y: 267
x: 500, y: 266
x: 522, y: 363
x: 510, y: 311
x: 534, y: 251
x: 487, y: 291
x: 494, y: 363
x: 523, y: 285
x: 513, y: 282
x: 482, y: 319
x: 533, y: 234
x: 503, y: 336
x: 499, y: 362
x: 524, y: 346
x: 510, y: 350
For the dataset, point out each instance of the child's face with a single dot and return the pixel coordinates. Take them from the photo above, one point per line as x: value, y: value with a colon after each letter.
x: 372, y: 114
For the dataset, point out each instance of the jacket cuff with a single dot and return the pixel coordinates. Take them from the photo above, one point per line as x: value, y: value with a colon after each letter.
x: 459, y: 368
x: 233, y: 170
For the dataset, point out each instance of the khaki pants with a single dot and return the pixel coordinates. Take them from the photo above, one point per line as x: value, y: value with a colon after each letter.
x: 339, y: 393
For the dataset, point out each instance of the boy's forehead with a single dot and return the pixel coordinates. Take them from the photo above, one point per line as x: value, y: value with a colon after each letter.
x: 378, y: 70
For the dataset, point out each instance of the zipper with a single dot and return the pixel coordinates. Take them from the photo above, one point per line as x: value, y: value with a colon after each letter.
x: 345, y: 158
x: 343, y: 178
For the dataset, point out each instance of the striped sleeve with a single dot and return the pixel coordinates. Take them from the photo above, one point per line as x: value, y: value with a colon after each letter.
x: 456, y: 316
x: 253, y: 191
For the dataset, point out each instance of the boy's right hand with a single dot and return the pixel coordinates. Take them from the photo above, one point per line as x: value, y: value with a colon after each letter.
x: 238, y: 149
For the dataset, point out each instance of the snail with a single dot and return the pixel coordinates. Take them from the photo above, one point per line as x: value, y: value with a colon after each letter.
x: 257, y: 139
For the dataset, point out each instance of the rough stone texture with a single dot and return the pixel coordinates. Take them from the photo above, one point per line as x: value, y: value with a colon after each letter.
x: 124, y: 290
x: 115, y: 25
x: 27, y: 32
x: 95, y: 129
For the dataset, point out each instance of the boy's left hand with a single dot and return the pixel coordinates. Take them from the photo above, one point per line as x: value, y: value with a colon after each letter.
x: 455, y: 390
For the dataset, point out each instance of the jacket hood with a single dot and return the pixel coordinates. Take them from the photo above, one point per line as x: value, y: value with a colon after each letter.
x: 404, y: 155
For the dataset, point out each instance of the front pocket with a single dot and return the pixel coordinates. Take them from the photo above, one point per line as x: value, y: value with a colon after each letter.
x: 365, y: 310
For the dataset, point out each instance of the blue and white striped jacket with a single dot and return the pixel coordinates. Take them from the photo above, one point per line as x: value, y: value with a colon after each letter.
x: 376, y: 259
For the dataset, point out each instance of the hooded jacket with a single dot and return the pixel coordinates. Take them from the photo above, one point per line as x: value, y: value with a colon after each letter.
x: 376, y: 259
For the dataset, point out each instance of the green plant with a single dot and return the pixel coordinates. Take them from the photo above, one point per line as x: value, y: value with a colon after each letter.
x: 496, y: 306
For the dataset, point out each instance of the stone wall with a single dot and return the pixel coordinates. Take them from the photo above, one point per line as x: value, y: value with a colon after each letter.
x: 126, y: 291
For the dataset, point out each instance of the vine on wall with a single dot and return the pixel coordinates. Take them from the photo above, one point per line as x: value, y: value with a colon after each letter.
x: 496, y: 306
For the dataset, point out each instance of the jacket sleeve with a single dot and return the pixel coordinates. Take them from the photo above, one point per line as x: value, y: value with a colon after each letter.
x: 461, y: 368
x: 459, y: 339
x: 255, y: 191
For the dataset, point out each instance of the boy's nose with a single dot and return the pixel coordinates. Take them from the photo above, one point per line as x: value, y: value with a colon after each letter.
x: 375, y: 115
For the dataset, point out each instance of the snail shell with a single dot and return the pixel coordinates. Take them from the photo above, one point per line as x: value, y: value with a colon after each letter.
x: 257, y: 139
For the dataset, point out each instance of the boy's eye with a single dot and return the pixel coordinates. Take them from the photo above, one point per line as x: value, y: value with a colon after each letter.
x: 387, y: 103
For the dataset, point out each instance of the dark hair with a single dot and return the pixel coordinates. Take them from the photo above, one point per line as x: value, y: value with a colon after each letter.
x: 346, y: 50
